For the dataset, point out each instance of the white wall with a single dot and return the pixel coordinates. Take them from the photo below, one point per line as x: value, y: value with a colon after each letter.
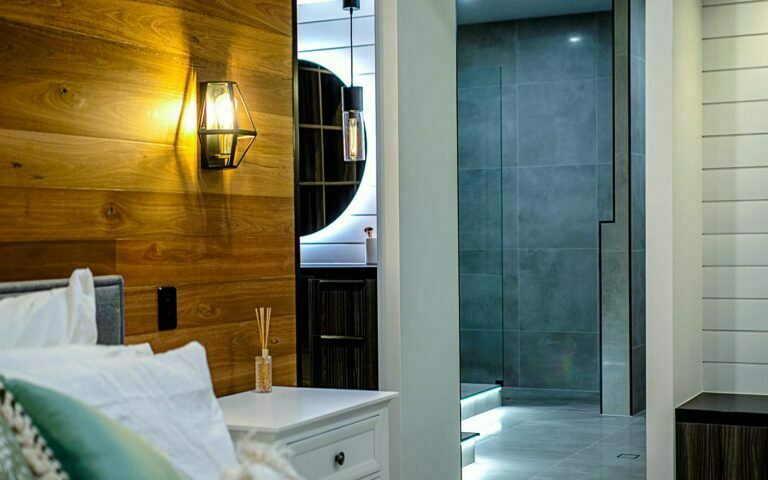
x: 323, y: 38
x: 673, y: 206
x: 418, y: 214
x: 735, y: 175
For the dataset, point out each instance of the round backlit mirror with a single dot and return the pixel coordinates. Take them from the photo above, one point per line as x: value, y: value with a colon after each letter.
x: 327, y: 184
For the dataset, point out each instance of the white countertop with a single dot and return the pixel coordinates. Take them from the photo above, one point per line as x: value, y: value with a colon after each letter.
x: 287, y: 408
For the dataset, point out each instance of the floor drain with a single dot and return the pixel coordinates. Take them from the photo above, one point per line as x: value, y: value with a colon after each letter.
x: 628, y: 456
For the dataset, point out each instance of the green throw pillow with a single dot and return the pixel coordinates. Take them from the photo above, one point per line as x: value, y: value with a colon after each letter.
x: 89, y: 445
x: 13, y: 465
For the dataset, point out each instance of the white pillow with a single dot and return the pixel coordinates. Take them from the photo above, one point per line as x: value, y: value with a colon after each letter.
x: 26, y: 359
x: 61, y: 316
x: 166, y: 398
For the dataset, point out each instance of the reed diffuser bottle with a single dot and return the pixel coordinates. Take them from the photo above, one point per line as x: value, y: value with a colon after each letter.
x: 264, y: 362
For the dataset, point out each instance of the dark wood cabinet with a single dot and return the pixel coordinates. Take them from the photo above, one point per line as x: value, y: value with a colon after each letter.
x: 339, y: 341
x: 722, y: 437
x: 720, y: 452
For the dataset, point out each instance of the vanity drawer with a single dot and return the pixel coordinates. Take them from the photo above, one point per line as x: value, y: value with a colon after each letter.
x: 344, y: 453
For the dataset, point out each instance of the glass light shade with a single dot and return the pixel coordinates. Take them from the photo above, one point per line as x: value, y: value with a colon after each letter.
x: 354, y: 136
x: 226, y: 130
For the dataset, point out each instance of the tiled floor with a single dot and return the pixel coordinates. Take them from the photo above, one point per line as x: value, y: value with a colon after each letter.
x: 554, y: 437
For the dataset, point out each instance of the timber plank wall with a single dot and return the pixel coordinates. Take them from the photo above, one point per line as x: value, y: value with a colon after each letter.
x: 99, y: 165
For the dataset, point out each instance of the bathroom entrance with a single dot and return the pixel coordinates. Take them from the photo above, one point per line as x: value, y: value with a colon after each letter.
x: 551, y: 238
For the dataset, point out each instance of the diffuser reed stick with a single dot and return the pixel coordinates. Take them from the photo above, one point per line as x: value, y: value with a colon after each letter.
x: 264, y: 362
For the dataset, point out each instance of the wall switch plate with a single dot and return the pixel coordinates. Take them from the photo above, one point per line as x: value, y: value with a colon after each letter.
x: 166, y: 308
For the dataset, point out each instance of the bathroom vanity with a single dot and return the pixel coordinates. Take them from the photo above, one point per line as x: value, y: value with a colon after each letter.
x: 337, y: 329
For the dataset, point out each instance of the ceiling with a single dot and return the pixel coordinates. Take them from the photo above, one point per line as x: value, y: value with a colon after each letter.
x: 484, y: 11
x: 468, y: 11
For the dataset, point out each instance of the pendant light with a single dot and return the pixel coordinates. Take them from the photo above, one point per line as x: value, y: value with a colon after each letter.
x: 352, y: 102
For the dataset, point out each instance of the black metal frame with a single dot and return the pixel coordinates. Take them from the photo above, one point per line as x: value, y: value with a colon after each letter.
x: 236, y: 131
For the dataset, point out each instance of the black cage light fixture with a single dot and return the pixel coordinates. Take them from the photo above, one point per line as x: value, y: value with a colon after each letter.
x: 225, y: 129
x: 352, y: 102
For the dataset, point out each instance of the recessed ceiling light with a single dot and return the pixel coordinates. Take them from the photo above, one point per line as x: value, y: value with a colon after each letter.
x: 574, y: 39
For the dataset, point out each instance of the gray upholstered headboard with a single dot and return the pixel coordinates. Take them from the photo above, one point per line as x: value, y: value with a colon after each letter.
x: 110, y: 310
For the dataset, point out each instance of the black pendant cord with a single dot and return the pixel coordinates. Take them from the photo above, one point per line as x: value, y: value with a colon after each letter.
x: 351, y: 51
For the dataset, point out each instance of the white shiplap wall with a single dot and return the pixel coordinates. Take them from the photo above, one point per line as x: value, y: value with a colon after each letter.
x: 323, y: 38
x: 735, y: 195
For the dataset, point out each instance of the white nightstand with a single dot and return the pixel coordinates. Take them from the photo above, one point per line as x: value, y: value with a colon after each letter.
x: 335, y: 434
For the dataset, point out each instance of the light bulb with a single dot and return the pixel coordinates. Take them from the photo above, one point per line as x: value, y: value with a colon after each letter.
x: 224, y: 111
x: 354, y: 136
x: 223, y: 118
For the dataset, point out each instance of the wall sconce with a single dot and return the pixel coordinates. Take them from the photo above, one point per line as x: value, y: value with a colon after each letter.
x: 226, y: 130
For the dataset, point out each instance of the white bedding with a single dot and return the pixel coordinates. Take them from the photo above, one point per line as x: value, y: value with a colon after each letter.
x: 166, y: 398
x: 61, y: 316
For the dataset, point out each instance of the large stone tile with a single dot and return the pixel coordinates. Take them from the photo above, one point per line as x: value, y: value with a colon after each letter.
x: 570, y: 401
x: 488, y: 45
x: 479, y: 124
x: 605, y: 192
x: 637, y: 104
x: 621, y: 91
x: 481, y: 360
x: 638, y: 297
x: 576, y: 470
x: 558, y: 360
x: 615, y: 236
x: 479, y: 77
x: 638, y: 379
x: 637, y: 198
x: 509, y: 125
x: 558, y: 291
x: 632, y: 436
x: 509, y: 212
x: 491, y: 468
x: 607, y: 454
x: 604, y: 44
x: 480, y: 261
x: 637, y: 27
x: 616, y: 380
x: 615, y: 298
x: 511, y: 355
x: 518, y: 450
x: 605, y: 120
x: 480, y: 301
x: 556, y: 48
x: 480, y: 209
x: 558, y: 207
x: 557, y: 123
x: 510, y: 288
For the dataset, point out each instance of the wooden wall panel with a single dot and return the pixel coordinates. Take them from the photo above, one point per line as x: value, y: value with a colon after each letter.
x: 58, y: 161
x: 99, y: 165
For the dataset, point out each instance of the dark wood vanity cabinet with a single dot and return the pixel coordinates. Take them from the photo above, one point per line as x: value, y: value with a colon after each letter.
x: 722, y: 437
x: 338, y: 342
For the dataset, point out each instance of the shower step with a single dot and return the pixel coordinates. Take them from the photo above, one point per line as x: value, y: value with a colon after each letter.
x: 468, y: 441
x: 477, y: 398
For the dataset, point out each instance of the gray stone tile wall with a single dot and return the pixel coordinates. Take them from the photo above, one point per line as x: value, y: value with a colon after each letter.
x: 535, y: 178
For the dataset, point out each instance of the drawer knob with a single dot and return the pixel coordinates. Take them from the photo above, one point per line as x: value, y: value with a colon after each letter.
x: 339, y: 458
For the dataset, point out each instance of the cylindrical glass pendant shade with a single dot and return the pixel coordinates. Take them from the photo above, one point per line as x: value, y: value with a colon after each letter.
x: 353, y: 124
x: 354, y: 136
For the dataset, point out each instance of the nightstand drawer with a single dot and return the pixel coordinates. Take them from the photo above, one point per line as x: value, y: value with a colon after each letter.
x: 344, y: 453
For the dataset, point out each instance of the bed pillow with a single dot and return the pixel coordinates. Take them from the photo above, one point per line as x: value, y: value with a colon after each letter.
x: 25, y: 359
x: 61, y: 316
x: 167, y: 399
x: 87, y: 444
